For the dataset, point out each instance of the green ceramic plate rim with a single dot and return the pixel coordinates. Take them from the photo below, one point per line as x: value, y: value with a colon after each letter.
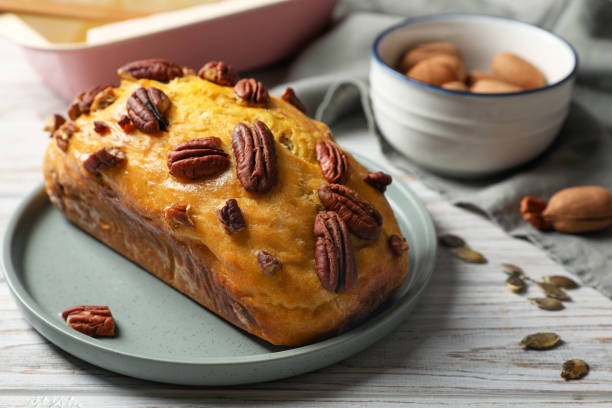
x: 364, y: 329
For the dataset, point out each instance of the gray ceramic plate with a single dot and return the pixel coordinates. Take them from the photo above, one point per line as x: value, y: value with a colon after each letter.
x: 162, y: 334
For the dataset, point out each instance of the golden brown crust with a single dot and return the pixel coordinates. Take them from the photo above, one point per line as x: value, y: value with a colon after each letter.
x: 124, y: 208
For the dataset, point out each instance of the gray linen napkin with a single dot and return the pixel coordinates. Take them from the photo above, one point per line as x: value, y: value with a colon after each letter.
x: 579, y: 156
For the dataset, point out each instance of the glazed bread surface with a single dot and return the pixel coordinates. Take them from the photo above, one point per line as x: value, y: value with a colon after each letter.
x: 124, y: 206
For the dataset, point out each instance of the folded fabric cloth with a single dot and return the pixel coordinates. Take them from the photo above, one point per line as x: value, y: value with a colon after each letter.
x: 579, y: 156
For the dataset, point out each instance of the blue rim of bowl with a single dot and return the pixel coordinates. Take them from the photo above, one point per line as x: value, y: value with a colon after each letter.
x: 442, y: 16
x: 365, y: 329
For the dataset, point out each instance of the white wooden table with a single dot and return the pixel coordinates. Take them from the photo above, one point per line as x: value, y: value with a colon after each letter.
x: 458, y: 348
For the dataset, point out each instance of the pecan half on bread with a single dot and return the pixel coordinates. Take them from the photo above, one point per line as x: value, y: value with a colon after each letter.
x: 378, y: 180
x: 178, y: 215
x: 230, y: 217
x: 53, y: 122
x: 197, y: 158
x: 250, y: 90
x: 63, y: 135
x: 100, y: 127
x: 83, y: 101
x: 146, y: 108
x: 334, y: 257
x: 103, y: 159
x: 126, y: 124
x: 290, y: 97
x: 333, y: 161
x: 398, y: 245
x: 158, y: 69
x: 219, y: 73
x: 268, y: 263
x: 254, y: 148
x: 361, y: 218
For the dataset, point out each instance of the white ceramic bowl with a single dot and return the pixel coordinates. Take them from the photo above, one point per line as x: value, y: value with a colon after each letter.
x: 463, y: 134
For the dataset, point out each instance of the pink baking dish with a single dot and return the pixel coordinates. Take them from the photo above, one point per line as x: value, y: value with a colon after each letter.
x: 247, y: 35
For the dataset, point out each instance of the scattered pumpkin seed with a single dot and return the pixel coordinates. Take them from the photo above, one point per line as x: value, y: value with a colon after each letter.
x: 547, y: 303
x: 561, y: 281
x: 512, y: 270
x: 515, y: 283
x: 451, y: 241
x: 469, y: 255
x: 541, y: 341
x: 574, y: 369
x: 552, y: 291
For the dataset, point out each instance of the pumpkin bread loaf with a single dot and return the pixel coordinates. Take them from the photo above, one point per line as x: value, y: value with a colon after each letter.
x: 233, y: 197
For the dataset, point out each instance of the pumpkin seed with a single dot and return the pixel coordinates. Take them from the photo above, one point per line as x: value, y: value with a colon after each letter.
x: 513, y: 270
x: 552, y: 291
x: 541, y: 341
x: 515, y: 283
x: 547, y: 303
x: 561, y: 281
x: 469, y: 255
x: 574, y: 369
x: 451, y: 241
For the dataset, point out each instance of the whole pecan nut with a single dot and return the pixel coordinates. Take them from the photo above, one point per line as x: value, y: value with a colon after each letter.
x: 378, y: 180
x: 250, y: 90
x: 398, y: 245
x: 290, y: 97
x: 81, y: 104
x: 157, y: 69
x: 64, y: 134
x: 219, y: 73
x: 334, y: 258
x: 197, y: 158
x: 103, y: 159
x: 361, y: 218
x: 255, y: 153
x: 146, y: 108
x: 230, y: 216
x: 268, y: 263
x: 90, y: 320
x: 178, y: 215
x: 333, y: 161
x: 571, y: 210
